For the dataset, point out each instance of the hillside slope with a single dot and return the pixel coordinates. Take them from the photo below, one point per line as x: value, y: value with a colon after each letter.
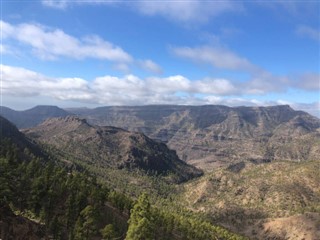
x: 42, y: 199
x: 17, y: 227
x: 25, y: 148
x: 110, y: 147
x: 210, y: 136
x: 267, y: 201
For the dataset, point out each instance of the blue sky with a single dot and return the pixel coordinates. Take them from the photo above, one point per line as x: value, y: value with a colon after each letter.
x: 96, y: 53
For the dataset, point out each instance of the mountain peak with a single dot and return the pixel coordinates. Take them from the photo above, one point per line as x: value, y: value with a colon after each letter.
x: 45, y: 107
x: 110, y: 146
x: 67, y: 119
x: 285, y: 107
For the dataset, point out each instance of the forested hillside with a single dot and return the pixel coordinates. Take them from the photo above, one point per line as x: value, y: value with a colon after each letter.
x: 130, y: 186
x: 62, y: 203
x: 41, y: 197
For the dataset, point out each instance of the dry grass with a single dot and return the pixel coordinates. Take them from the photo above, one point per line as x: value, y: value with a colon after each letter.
x: 261, y: 197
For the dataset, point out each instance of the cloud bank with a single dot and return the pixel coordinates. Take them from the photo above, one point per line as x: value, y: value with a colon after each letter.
x: 128, y: 89
x: 52, y: 44
x: 132, y: 90
x: 187, y: 11
x: 39, y: 38
x: 215, y: 56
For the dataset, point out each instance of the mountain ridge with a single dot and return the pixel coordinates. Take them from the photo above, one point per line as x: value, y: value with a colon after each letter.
x: 110, y: 146
x: 215, y: 135
x: 32, y: 116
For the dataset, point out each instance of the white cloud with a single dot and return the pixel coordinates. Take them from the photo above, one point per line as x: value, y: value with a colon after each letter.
x: 63, y: 4
x: 181, y: 11
x: 54, y: 43
x: 170, y: 84
x: 215, y: 56
x: 312, y: 108
x: 178, y: 83
x: 264, y: 82
x: 51, y: 44
x: 129, y: 83
x: 186, y: 11
x: 259, y: 81
x: 150, y: 66
x: 59, y: 4
x: 22, y: 83
x: 215, y: 86
x: 122, y: 67
x: 308, y: 32
x: 235, y: 101
x: 308, y: 81
x: 131, y: 90
x: 298, y: 9
x: 5, y: 49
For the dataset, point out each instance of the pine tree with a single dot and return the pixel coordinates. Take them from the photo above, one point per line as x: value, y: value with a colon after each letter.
x: 5, y: 190
x: 86, y: 225
x: 140, y: 222
x: 108, y: 232
x: 55, y: 228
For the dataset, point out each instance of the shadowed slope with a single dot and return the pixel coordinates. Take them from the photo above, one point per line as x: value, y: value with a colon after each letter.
x: 110, y: 147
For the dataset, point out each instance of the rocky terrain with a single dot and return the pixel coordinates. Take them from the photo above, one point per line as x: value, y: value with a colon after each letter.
x: 209, y: 136
x: 278, y: 200
x: 109, y: 147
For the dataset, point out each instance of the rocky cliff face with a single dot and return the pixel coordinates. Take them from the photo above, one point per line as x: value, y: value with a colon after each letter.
x: 109, y: 147
x: 209, y: 136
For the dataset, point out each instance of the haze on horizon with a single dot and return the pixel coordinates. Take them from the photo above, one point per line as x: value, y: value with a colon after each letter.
x: 99, y: 53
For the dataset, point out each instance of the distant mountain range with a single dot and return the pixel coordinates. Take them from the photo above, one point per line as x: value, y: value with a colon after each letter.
x: 205, y: 136
x: 32, y: 117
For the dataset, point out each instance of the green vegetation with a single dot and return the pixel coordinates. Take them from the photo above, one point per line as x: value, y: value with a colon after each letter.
x: 88, y: 182
x: 71, y: 205
x: 141, y: 222
x: 74, y: 205
x: 147, y: 222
